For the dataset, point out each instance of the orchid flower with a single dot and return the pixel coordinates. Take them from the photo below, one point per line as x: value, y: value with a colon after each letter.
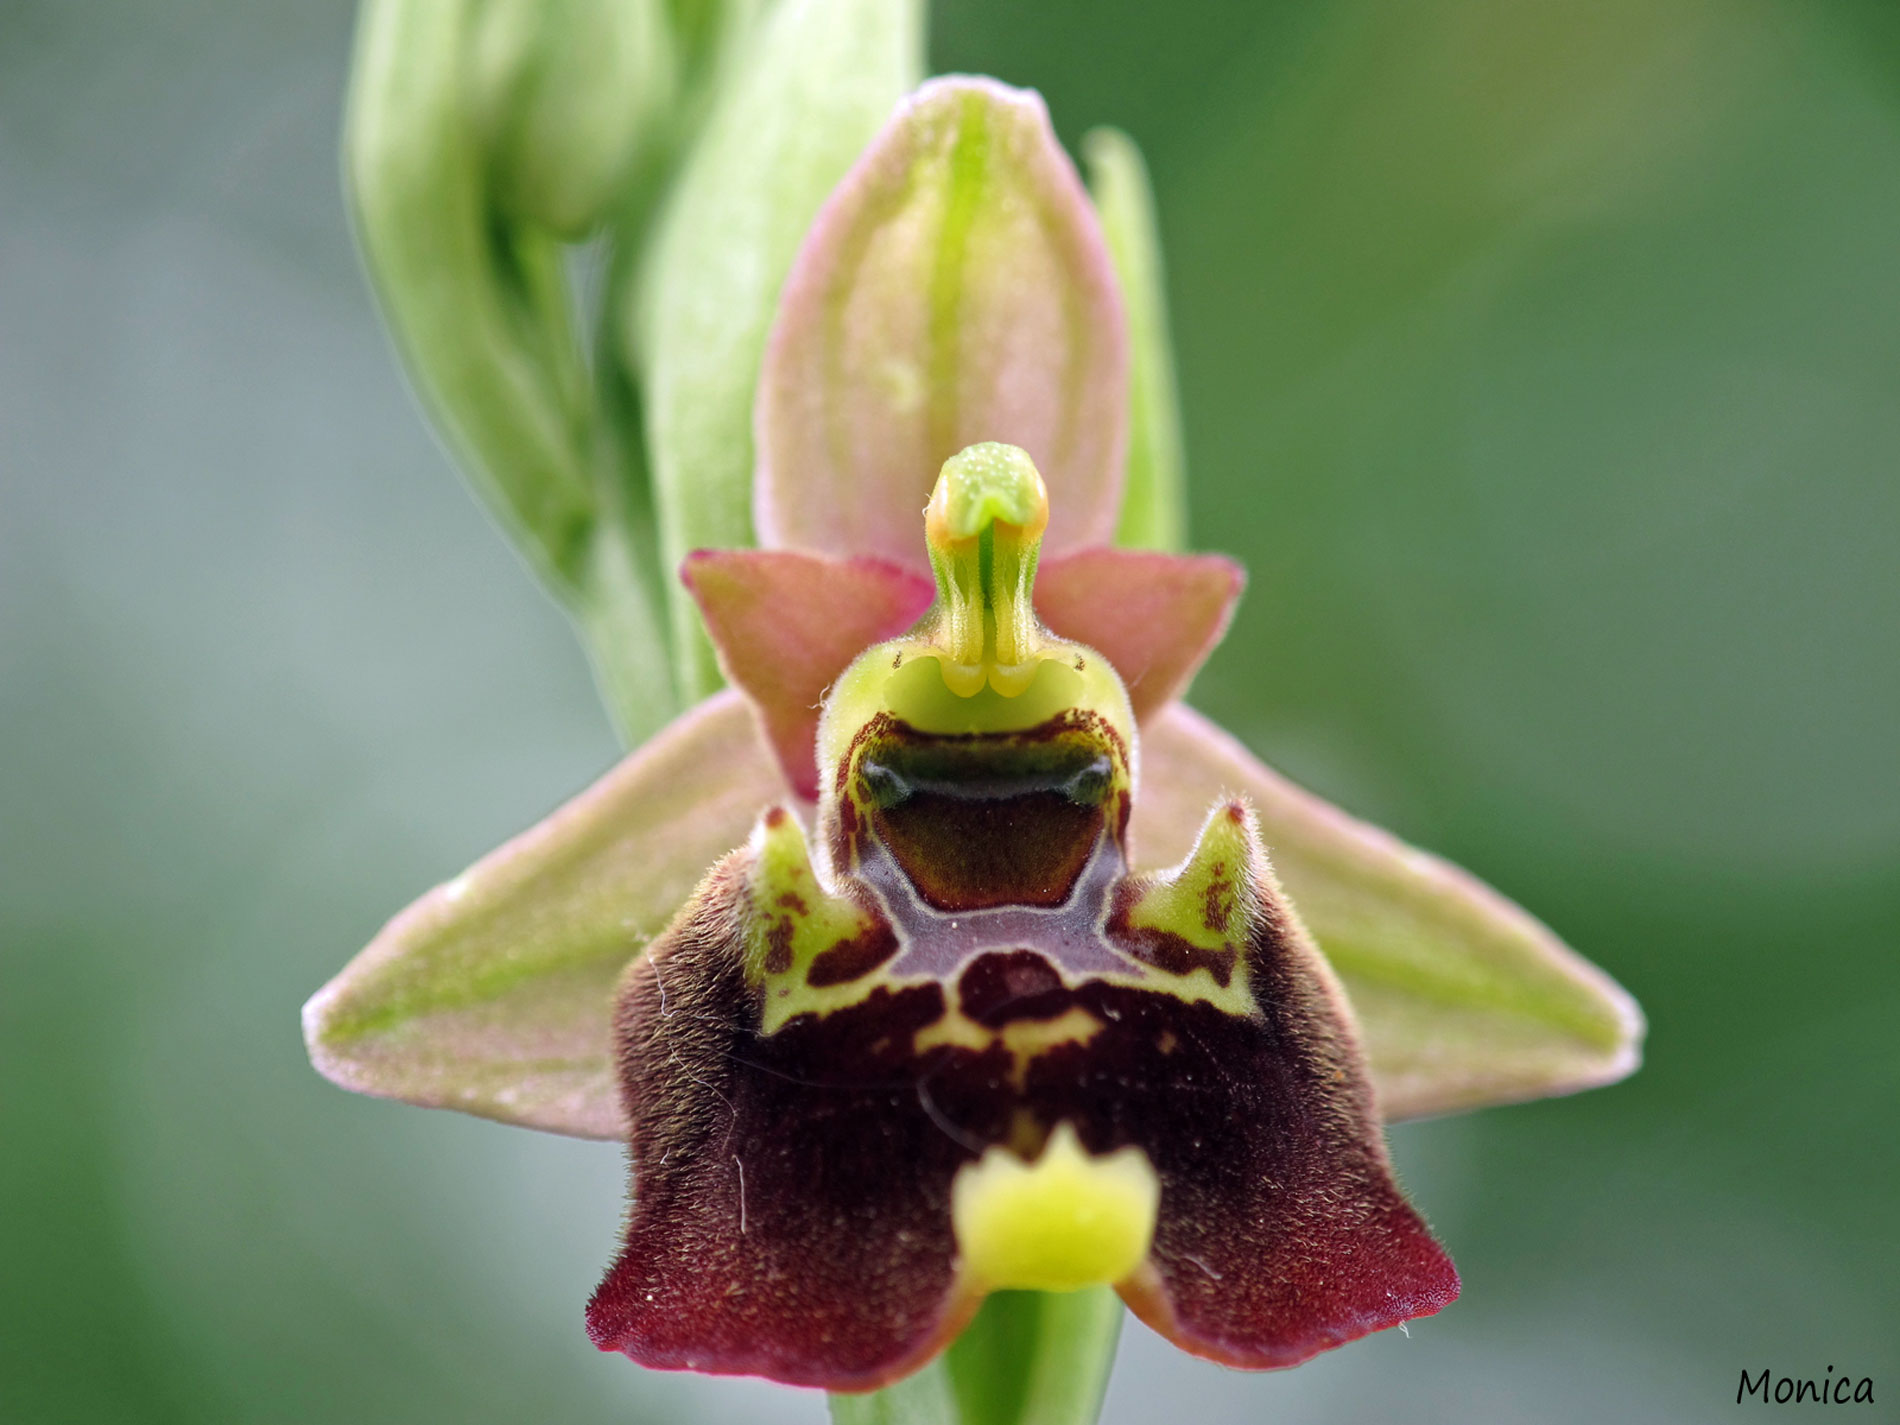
x: 947, y: 951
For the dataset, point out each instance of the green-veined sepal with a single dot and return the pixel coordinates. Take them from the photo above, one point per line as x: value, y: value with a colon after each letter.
x: 1463, y: 998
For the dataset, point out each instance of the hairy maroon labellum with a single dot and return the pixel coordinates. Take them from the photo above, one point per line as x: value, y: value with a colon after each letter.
x: 861, y: 1068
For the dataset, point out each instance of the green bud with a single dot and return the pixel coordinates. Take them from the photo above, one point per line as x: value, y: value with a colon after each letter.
x: 478, y: 136
x: 482, y: 325
x: 568, y: 94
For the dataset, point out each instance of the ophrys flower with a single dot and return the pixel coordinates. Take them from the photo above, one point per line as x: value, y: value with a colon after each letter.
x: 1176, y: 1067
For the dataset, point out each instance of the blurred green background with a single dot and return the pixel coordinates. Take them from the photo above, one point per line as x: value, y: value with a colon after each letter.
x: 1542, y: 361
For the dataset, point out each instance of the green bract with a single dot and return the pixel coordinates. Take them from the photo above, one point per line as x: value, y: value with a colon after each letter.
x: 457, y: 112
x: 806, y: 92
x: 1154, y: 505
x: 567, y: 94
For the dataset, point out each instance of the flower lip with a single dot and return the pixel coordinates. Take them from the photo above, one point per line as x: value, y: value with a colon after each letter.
x: 824, y: 1191
x: 962, y: 1049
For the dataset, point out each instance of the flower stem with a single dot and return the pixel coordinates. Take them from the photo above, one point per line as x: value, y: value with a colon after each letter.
x: 1029, y: 1358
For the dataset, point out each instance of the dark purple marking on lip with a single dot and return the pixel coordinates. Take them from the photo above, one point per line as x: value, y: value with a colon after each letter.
x: 849, y: 959
x: 1163, y: 948
x: 999, y: 988
x: 791, y: 1191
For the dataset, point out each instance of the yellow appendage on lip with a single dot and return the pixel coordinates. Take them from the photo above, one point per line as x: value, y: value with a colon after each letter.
x: 1068, y: 1220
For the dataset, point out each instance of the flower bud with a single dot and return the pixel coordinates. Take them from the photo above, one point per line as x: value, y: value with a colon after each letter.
x: 568, y: 94
x: 478, y: 137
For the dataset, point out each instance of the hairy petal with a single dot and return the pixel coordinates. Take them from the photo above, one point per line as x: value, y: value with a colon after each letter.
x: 956, y: 288
x: 493, y: 994
x: 1155, y: 617
x: 1463, y: 999
x: 787, y: 624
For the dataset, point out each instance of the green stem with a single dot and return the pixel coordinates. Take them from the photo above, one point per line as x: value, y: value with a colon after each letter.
x: 926, y: 1398
x: 1029, y: 1358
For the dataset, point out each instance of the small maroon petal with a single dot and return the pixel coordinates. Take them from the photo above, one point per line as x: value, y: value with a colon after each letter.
x: 787, y: 623
x: 1154, y: 616
x: 791, y: 1192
